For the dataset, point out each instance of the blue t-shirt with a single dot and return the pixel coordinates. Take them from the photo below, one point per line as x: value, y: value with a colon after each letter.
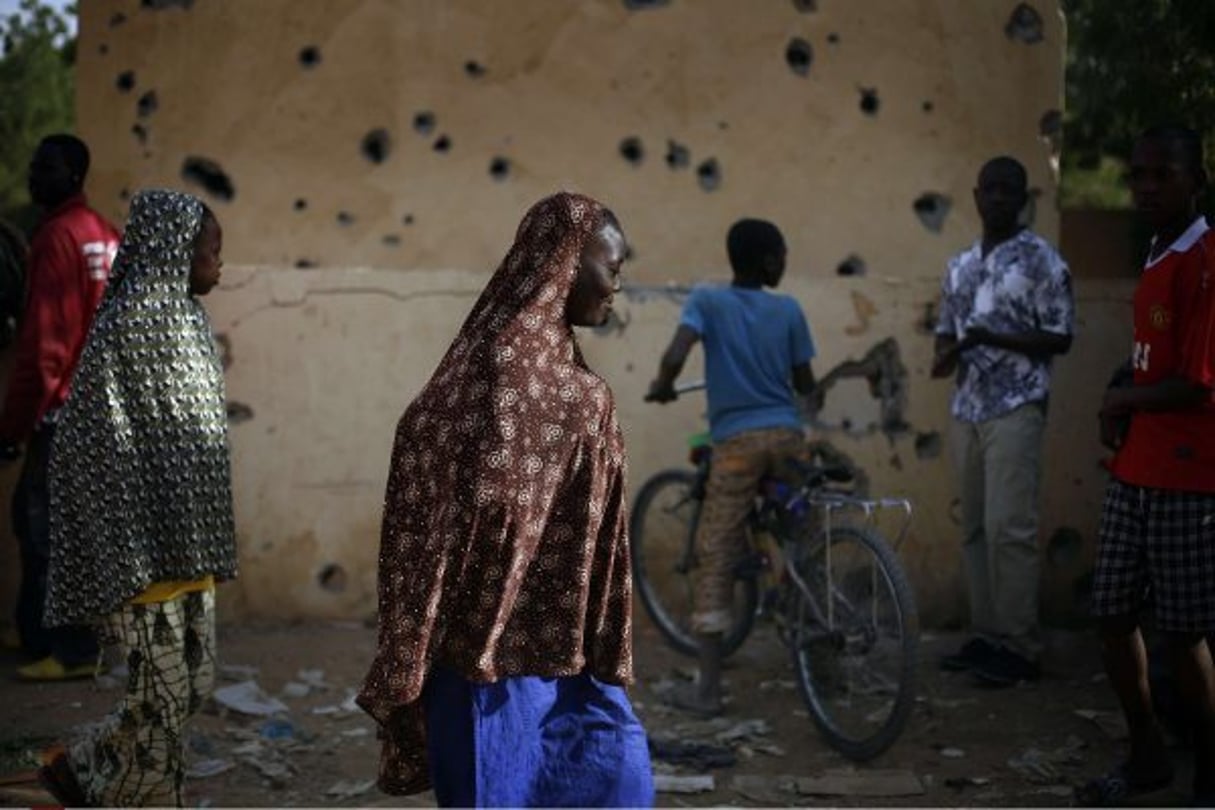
x: 752, y: 340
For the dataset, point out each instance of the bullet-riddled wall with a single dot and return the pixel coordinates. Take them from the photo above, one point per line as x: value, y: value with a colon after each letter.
x: 370, y: 160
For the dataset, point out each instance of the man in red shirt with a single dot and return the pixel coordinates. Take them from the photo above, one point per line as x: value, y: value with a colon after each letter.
x: 1157, y: 535
x: 69, y: 262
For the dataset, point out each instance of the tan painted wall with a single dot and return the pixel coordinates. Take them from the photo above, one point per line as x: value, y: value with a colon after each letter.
x: 327, y: 357
x: 310, y: 463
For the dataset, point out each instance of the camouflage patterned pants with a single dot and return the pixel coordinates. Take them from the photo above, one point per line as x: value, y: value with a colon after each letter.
x: 738, y: 465
x: 135, y: 756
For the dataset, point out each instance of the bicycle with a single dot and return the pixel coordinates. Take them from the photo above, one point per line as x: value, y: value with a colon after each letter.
x: 833, y: 585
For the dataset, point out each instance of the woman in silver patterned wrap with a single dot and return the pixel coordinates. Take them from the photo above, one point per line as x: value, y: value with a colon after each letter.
x: 141, y: 501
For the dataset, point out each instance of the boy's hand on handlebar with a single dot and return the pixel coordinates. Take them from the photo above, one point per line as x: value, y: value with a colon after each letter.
x: 660, y: 392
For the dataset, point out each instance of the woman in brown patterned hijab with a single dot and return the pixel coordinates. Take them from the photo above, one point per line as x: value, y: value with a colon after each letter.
x: 504, y: 579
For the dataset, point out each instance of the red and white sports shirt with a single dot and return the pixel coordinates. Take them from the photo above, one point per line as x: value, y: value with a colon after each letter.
x: 1174, y: 337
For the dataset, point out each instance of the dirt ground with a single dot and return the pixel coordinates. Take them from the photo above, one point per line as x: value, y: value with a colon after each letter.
x: 964, y: 746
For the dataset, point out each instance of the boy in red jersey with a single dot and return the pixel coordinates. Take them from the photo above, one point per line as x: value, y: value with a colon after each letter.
x: 1158, y: 521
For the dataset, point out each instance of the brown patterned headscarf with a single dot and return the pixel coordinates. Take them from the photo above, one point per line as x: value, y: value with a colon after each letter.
x: 504, y: 547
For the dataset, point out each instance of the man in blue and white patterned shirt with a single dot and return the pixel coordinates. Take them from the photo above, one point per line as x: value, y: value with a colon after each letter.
x: 1006, y: 310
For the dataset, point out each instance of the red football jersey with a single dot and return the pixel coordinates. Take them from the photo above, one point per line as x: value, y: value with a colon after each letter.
x: 1174, y: 337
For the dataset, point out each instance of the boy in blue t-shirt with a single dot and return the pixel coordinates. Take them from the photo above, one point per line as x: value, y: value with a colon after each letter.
x: 757, y: 355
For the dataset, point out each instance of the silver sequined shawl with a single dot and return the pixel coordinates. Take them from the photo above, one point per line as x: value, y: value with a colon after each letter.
x: 140, y: 475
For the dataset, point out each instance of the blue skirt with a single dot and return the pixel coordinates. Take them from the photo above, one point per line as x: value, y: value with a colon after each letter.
x: 534, y: 742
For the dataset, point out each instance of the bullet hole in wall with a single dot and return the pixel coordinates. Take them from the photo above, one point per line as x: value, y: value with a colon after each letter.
x: 632, y: 150
x: 678, y: 156
x: 161, y: 5
x: 391, y: 240
x: 442, y: 143
x: 799, y: 55
x: 300, y: 204
x: 304, y: 264
x: 124, y: 194
x: 239, y: 412
x: 376, y: 145
x: 332, y: 578
x: 1025, y: 25
x: 1065, y: 546
x: 345, y: 218
x: 932, y: 207
x: 423, y: 122
x: 125, y: 81
x: 927, y: 106
x: 642, y: 5
x: 117, y: 18
x: 886, y: 379
x: 309, y: 56
x: 926, y: 324
x: 208, y: 174
x: 474, y: 69
x: 103, y: 49
x: 148, y: 103
x: 869, y: 100
x: 805, y: 6
x: 407, y: 219
x: 708, y: 174
x: 140, y: 132
x: 928, y: 445
x: 499, y: 169
x: 833, y: 38
x: 854, y: 265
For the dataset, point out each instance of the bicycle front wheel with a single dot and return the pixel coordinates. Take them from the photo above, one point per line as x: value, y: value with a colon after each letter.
x: 662, y: 535
x: 855, y: 641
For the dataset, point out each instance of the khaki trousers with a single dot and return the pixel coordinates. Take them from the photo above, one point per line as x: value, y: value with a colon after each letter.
x: 998, y: 464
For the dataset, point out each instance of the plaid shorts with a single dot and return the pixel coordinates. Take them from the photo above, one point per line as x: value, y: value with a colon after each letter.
x: 1157, y: 545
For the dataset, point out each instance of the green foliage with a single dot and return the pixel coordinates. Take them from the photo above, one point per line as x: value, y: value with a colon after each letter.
x: 1102, y: 186
x: 1131, y: 64
x: 37, y: 97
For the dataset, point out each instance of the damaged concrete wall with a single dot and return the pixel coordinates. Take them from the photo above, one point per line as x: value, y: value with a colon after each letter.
x: 311, y: 457
x: 410, y: 136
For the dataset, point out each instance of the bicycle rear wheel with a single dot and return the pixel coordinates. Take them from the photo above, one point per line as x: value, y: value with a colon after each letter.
x: 662, y: 533
x: 855, y: 641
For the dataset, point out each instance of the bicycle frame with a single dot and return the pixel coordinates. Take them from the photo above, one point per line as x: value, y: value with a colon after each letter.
x: 805, y: 499
x: 830, y: 580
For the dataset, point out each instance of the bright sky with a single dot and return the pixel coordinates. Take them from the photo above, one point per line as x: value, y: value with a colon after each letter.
x: 8, y: 7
